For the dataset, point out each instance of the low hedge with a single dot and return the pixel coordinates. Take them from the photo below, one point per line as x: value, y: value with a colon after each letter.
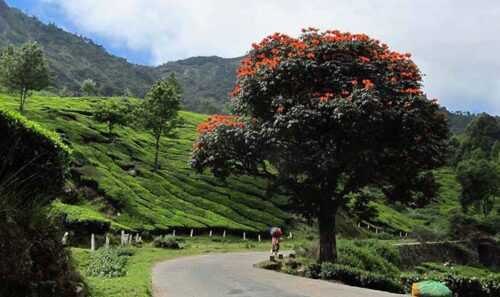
x: 460, y: 286
x: 357, y: 277
x: 107, y: 263
x: 166, y: 242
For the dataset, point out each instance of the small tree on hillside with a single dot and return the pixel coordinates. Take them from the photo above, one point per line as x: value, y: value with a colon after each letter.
x: 113, y: 112
x: 159, y: 111
x: 24, y: 69
x: 480, y: 181
x: 325, y: 115
x: 89, y: 87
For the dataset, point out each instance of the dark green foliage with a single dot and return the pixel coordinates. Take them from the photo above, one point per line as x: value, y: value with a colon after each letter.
x: 32, y: 172
x: 313, y: 270
x: 460, y: 286
x: 359, y: 205
x: 23, y: 70
x: 358, y: 277
x: 33, y: 261
x: 166, y: 242
x: 364, y: 258
x: 89, y: 87
x: 482, y: 133
x: 270, y: 265
x: 480, y: 180
x: 113, y: 112
x: 458, y: 121
x: 107, y: 262
x: 463, y: 226
x: 159, y: 111
x: 426, y: 234
x: 33, y: 166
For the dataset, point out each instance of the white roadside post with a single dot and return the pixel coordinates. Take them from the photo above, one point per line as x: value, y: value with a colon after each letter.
x: 259, y: 238
x: 210, y: 233
x: 192, y: 233
x: 244, y: 236
x: 224, y: 234
x: 107, y: 241
x: 173, y: 233
x: 92, y: 242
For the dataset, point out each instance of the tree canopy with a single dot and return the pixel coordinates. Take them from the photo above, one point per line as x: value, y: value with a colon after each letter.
x: 159, y: 111
x: 89, y: 87
x: 113, y: 112
x: 325, y: 115
x: 24, y: 69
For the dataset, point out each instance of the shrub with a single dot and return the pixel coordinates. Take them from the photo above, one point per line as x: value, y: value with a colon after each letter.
x: 270, y: 265
x: 313, y: 271
x: 357, y: 277
x: 425, y: 234
x: 107, y: 263
x: 366, y: 258
x: 166, y: 242
x: 33, y: 166
x: 461, y: 286
x: 34, y: 163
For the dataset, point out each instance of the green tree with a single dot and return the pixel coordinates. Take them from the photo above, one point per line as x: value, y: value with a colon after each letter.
x: 24, y: 69
x: 89, y: 87
x: 480, y: 181
x: 481, y: 133
x: 159, y: 111
x: 113, y: 112
x: 325, y: 115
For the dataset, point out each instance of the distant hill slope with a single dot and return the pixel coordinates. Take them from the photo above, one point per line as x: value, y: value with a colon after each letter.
x: 206, y: 80
x: 72, y: 58
x: 113, y: 181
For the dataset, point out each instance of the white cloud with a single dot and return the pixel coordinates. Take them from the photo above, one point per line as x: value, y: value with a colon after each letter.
x: 455, y: 42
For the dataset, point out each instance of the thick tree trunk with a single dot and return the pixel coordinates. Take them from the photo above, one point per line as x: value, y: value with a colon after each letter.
x: 327, y: 236
x: 157, y: 150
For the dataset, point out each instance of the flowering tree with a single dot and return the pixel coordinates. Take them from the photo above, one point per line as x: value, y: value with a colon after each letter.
x: 323, y: 116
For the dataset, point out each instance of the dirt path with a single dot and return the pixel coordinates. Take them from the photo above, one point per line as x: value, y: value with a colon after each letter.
x: 233, y: 275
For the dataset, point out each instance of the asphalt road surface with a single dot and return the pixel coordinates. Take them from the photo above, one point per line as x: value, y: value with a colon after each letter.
x: 233, y: 275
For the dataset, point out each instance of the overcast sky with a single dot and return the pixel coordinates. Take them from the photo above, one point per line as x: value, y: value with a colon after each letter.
x: 456, y: 43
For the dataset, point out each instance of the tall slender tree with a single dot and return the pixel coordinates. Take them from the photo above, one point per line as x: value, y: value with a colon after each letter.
x: 24, y: 69
x: 159, y: 111
x: 325, y: 115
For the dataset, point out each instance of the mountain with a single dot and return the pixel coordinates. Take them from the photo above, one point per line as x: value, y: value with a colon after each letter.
x: 73, y: 58
x: 206, y: 80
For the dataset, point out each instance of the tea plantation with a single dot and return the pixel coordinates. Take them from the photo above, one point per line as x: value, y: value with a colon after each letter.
x: 112, y: 179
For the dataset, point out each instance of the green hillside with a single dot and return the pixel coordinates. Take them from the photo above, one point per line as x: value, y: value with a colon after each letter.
x: 113, y: 180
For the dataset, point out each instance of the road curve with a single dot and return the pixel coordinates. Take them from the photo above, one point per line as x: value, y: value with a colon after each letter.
x: 233, y: 275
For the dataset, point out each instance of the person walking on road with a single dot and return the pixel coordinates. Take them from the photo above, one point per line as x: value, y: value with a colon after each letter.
x: 276, y: 234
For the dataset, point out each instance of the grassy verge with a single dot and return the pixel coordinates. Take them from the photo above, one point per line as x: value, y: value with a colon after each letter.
x: 137, y: 282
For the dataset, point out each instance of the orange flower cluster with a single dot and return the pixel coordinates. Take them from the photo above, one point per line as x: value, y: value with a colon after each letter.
x: 413, y: 91
x: 277, y: 48
x: 236, y: 90
x: 368, y: 84
x: 363, y: 59
x: 324, y: 97
x: 215, y: 121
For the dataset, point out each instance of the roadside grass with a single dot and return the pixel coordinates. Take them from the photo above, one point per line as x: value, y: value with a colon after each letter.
x: 137, y: 281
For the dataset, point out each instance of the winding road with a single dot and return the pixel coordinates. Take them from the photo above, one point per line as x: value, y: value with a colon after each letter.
x: 233, y: 275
